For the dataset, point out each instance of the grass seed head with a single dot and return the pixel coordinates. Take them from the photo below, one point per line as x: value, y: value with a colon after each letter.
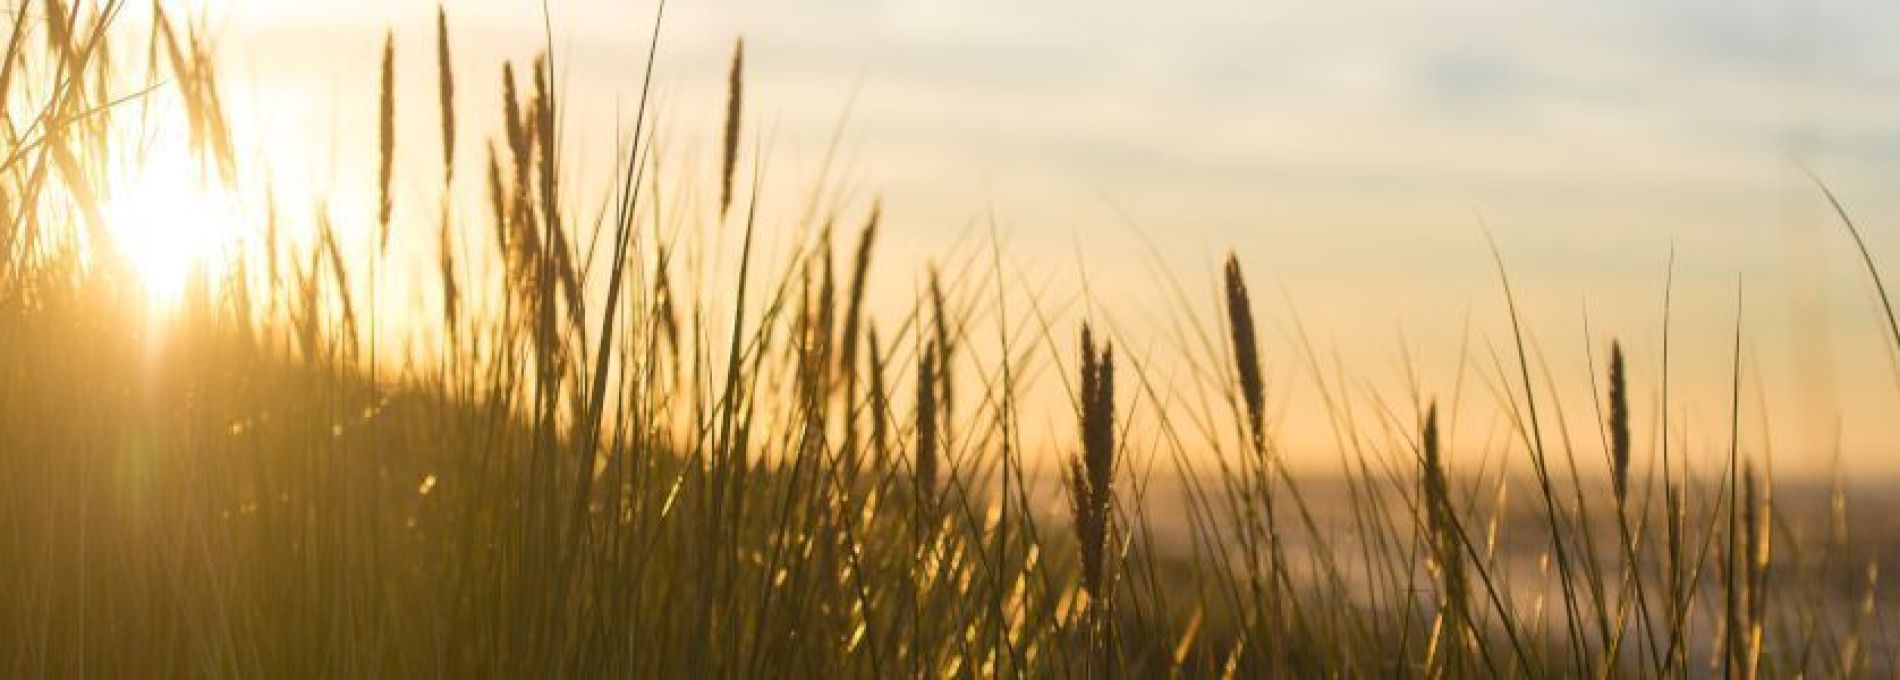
x: 926, y: 464
x: 1092, y: 473
x: 1246, y: 348
x: 387, y: 138
x: 445, y: 92
x: 1619, y: 425
x: 854, y: 305
x: 735, y: 100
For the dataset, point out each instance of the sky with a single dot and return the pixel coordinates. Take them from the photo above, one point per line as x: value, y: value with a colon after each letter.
x: 1354, y: 154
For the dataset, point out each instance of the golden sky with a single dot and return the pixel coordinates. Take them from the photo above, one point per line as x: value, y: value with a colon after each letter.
x: 1348, y: 151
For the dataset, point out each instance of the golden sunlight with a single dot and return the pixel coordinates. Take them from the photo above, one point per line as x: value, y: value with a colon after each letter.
x: 918, y: 338
x: 172, y: 220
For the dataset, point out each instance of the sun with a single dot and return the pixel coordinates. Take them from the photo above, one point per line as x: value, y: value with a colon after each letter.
x: 172, y: 220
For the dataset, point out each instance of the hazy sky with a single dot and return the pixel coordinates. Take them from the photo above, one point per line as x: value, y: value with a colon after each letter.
x: 1348, y: 150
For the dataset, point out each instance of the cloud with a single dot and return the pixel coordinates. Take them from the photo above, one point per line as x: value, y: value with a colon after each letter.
x: 1344, y: 146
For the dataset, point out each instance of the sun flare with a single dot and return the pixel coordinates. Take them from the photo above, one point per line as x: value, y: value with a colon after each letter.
x: 173, y: 221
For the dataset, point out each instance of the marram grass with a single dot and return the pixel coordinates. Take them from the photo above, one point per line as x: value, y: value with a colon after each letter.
x: 632, y: 463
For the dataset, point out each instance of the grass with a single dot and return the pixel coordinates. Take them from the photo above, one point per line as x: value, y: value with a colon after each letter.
x: 631, y: 468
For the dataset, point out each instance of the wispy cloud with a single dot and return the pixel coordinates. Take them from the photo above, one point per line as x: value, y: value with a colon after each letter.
x: 1345, y: 146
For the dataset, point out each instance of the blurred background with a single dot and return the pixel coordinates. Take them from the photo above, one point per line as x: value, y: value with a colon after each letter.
x: 1353, y: 153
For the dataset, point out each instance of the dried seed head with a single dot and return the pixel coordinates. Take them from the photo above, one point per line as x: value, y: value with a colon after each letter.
x: 511, y: 113
x: 445, y: 82
x: 735, y: 98
x: 946, y: 348
x: 498, y: 201
x: 1092, y: 473
x: 1246, y: 348
x: 879, y: 399
x: 546, y: 119
x: 1619, y: 425
x: 860, y: 270
x: 824, y: 306
x: 926, y: 464
x: 388, y: 136
x: 1449, y: 548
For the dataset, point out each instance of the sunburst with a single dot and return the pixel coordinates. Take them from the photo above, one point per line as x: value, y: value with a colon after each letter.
x: 173, y: 220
